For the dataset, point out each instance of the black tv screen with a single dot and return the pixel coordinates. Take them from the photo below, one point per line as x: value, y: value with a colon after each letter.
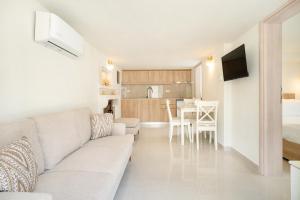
x: 234, y: 64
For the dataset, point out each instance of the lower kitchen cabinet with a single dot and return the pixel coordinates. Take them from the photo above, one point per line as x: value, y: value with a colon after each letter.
x: 164, y: 117
x: 147, y: 110
x: 129, y: 108
x: 154, y: 110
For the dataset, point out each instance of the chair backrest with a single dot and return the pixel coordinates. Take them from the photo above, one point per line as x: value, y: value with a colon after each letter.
x: 207, y: 112
x: 169, y: 109
x: 189, y: 101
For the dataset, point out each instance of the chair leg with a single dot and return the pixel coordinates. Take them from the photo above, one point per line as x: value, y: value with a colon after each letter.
x: 216, y: 140
x: 190, y: 133
x: 170, y: 133
x: 193, y: 133
x: 210, y: 135
x: 197, y: 138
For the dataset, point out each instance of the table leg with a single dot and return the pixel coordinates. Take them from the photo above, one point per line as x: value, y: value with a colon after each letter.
x: 182, y: 127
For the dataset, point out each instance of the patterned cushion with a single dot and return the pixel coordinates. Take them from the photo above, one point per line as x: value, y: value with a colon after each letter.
x: 101, y: 125
x: 18, y: 167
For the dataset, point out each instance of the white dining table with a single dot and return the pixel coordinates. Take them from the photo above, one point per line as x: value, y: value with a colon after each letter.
x: 185, y: 108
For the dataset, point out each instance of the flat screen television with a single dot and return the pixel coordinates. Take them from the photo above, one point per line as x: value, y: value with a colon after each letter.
x: 234, y: 64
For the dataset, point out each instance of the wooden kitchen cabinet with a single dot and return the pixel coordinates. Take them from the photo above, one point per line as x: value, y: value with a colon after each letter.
x: 141, y: 77
x: 135, y: 77
x: 129, y: 108
x: 182, y: 76
x: 162, y: 77
x: 164, y: 117
x: 126, y: 77
x: 166, y: 76
x: 147, y: 110
x: 154, y: 110
x: 143, y: 107
x: 154, y: 77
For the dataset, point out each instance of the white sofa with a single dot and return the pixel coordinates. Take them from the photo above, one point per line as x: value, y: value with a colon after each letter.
x: 70, y: 165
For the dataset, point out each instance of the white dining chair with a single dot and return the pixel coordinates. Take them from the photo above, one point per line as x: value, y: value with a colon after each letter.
x: 176, y: 122
x: 206, y: 120
x: 189, y: 101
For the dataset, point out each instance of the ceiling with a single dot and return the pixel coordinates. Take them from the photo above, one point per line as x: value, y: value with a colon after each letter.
x: 160, y: 33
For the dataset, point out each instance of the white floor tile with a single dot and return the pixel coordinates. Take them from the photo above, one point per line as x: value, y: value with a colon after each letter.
x: 160, y: 170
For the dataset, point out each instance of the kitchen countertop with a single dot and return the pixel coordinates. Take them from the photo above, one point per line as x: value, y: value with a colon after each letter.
x: 161, y: 98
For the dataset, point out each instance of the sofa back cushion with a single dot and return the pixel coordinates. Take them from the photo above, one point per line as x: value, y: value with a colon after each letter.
x: 61, y: 133
x: 13, y: 131
x: 83, y: 124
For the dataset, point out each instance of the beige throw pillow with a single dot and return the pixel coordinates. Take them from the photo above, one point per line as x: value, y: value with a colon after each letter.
x: 101, y: 125
x: 18, y: 168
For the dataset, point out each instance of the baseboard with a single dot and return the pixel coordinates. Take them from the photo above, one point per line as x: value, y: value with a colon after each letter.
x: 253, y: 166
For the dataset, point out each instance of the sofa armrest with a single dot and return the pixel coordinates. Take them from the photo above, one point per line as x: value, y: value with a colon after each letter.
x: 24, y: 196
x: 119, y: 129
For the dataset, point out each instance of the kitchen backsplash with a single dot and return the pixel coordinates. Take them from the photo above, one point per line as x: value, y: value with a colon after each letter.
x: 168, y: 91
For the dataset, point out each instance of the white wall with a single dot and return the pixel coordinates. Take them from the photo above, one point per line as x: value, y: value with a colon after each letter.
x: 197, y: 80
x: 242, y: 98
x: 239, y: 99
x: 213, y: 88
x: 35, y: 79
x: 112, y: 76
x: 291, y: 56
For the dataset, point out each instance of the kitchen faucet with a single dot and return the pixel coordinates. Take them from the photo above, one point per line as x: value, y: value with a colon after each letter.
x: 149, y: 92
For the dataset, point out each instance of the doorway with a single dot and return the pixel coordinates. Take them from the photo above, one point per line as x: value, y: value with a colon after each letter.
x: 270, y: 86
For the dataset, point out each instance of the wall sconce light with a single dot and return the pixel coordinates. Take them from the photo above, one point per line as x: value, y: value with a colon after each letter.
x: 210, y: 61
x: 109, y: 65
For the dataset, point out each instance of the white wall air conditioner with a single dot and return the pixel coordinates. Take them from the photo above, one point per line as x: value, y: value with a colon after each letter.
x: 51, y: 31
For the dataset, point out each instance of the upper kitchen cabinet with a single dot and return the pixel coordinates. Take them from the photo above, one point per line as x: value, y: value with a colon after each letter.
x: 166, y: 76
x: 182, y: 76
x: 160, y: 77
x: 156, y: 76
x: 135, y: 77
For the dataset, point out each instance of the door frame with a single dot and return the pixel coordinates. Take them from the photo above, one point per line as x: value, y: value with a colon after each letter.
x: 270, y: 86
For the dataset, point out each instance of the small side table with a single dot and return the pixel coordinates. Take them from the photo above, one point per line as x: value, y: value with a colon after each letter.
x: 132, y: 125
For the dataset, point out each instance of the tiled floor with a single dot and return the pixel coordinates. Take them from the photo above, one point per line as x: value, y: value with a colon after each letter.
x: 159, y: 170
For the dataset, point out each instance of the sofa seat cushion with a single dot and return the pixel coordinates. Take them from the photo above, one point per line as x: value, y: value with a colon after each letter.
x: 108, y: 155
x: 13, y: 131
x: 129, y: 122
x: 77, y: 185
